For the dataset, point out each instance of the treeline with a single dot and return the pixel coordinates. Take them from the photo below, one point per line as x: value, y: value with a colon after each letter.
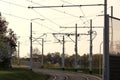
x: 54, y: 60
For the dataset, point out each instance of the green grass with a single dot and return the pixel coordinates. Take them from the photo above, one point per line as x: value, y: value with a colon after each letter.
x: 21, y: 74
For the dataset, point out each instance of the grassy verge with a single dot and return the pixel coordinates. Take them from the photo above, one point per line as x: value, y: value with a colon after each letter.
x: 21, y: 74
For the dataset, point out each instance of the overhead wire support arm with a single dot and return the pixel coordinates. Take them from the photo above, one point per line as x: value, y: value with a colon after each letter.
x: 82, y: 27
x: 69, y: 34
x: 59, y: 6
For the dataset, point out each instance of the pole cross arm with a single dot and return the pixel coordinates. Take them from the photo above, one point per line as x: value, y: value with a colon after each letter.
x: 82, y: 27
x: 68, y: 34
x: 61, y: 6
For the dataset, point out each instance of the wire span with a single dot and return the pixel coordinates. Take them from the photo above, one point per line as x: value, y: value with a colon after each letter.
x: 13, y: 4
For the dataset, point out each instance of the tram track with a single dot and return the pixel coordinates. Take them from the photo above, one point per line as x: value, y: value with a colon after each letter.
x: 65, y: 75
x: 60, y: 77
x: 81, y: 76
x: 91, y: 77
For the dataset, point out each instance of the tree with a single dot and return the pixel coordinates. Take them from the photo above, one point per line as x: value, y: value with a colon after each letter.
x: 49, y: 58
x: 7, y: 43
x: 36, y: 54
x: 53, y: 58
x: 56, y: 57
x: 3, y: 27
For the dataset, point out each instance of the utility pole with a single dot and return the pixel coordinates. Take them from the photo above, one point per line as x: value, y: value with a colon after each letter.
x: 106, y: 49
x: 42, y: 64
x: 91, y: 46
x: 18, y: 53
x: 63, y: 53
x: 63, y: 49
x: 0, y: 14
x: 76, y: 44
x: 76, y: 40
x: 10, y: 54
x: 111, y: 46
x: 76, y: 48
x: 100, y: 60
x: 106, y: 43
x: 31, y: 62
x: 42, y: 44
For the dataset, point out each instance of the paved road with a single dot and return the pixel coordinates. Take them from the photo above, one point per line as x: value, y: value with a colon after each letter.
x: 65, y: 75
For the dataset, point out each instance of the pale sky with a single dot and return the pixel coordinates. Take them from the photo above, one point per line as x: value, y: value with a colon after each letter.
x: 18, y: 16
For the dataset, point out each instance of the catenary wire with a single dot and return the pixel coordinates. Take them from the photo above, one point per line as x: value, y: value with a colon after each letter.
x: 46, y: 27
x: 15, y: 16
x: 60, y: 11
x: 13, y: 4
x: 80, y: 9
x: 46, y: 17
x: 28, y: 20
x: 23, y: 17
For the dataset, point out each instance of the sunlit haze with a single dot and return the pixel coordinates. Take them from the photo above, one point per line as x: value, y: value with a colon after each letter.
x: 18, y: 15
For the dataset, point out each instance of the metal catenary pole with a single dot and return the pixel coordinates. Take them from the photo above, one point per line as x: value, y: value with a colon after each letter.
x: 31, y: 45
x: 42, y: 44
x: 106, y: 43
x: 111, y: 46
x: 31, y: 49
x: 76, y: 51
x: 42, y: 64
x: 106, y: 50
x: 63, y: 54
x: 18, y: 53
x: 76, y: 48
x: 100, y: 59
x: 91, y: 46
